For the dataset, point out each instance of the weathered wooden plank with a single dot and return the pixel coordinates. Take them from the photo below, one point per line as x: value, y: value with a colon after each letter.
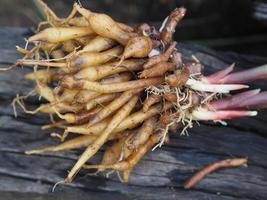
x: 159, y: 175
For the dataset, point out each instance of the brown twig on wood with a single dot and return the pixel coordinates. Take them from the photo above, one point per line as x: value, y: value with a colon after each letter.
x: 227, y: 163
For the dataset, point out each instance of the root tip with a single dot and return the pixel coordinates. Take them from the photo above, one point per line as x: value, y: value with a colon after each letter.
x: 253, y: 113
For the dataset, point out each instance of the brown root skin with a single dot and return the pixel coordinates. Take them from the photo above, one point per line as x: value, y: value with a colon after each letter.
x: 125, y: 27
x: 160, y: 58
x: 176, y: 59
x: 227, y: 163
x: 194, y: 68
x: 151, y: 100
x: 174, y: 127
x: 168, y: 30
x: 165, y: 119
x: 158, y: 69
x: 144, y: 29
x: 171, y: 97
x: 179, y: 77
x: 92, y: 149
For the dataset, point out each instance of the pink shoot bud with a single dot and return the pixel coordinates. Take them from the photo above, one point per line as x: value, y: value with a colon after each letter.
x: 233, y: 101
x: 203, y: 114
x: 246, y: 76
x: 257, y: 101
x: 217, y: 76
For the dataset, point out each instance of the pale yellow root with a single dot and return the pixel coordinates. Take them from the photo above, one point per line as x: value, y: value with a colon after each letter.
x: 75, y: 143
x: 28, y: 53
x: 86, y: 95
x: 138, y: 117
x: 126, y: 174
x: 85, y: 59
x: 70, y: 82
x: 85, y: 39
x: 60, y: 34
x: 134, y: 141
x: 151, y: 100
x: 158, y: 69
x: 105, y: 26
x: 51, y: 108
x: 84, y: 129
x: 98, y: 44
x: 60, y: 124
x: 79, y: 21
x: 140, y: 137
x: 68, y: 95
x: 100, y: 100
x: 50, y: 15
x: 80, y: 117
x: 46, y: 92
x: 45, y: 76
x: 132, y: 160
x: 128, y: 123
x: 83, y: 21
x: 113, y: 153
x: 70, y: 46
x: 57, y: 54
x: 112, y: 107
x: 98, y: 72
x: 92, y: 149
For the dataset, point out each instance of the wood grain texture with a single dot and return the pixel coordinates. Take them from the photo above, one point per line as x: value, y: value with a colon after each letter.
x: 159, y: 175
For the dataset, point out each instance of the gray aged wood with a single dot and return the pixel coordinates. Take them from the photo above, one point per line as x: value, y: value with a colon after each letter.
x: 159, y: 175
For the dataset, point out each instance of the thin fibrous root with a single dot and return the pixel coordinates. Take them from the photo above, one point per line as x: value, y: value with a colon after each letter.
x: 8, y: 68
